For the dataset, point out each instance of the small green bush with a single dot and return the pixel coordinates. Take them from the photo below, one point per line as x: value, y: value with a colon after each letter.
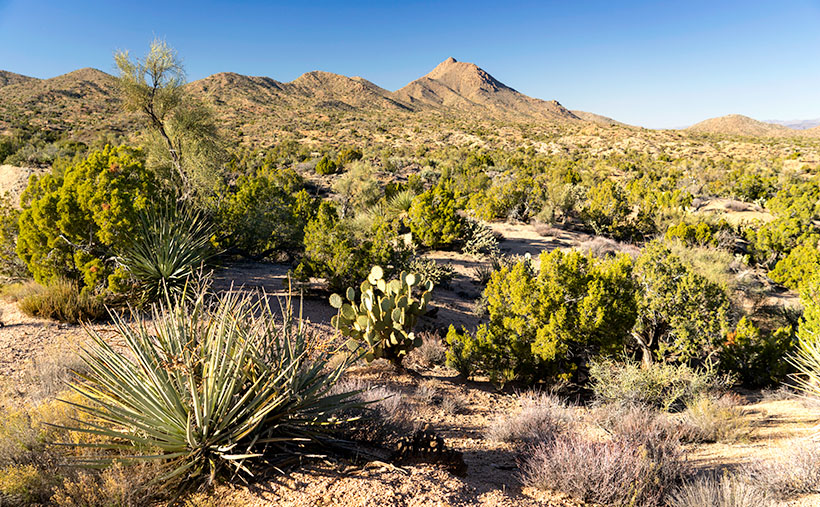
x: 326, y: 166
x: 801, y: 264
x: 606, y: 210
x: 62, y: 300
x: 348, y: 155
x: 700, y: 234
x: 758, y: 357
x: 434, y: 221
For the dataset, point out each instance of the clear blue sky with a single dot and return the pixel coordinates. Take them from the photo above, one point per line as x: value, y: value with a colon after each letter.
x: 656, y: 64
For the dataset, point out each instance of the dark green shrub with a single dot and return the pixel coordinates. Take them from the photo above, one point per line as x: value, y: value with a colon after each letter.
x: 682, y: 316
x: 758, y: 358
x: 326, y: 166
x: 262, y: 218
x: 434, y: 221
x: 795, y: 208
x: 11, y: 266
x: 336, y: 251
x: 801, y: 264
x: 348, y: 155
x: 73, y: 223
x: 606, y: 210
x: 548, y: 326
x: 700, y: 234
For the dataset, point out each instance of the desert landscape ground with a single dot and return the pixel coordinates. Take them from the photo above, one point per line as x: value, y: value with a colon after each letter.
x: 241, y: 291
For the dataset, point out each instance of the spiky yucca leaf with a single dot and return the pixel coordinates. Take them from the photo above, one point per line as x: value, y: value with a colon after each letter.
x: 806, y: 360
x: 170, y: 245
x: 207, y: 387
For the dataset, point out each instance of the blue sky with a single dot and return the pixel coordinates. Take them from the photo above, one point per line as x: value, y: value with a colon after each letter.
x: 655, y: 64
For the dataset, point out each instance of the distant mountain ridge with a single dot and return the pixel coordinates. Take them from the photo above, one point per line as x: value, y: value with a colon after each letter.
x: 797, y: 124
x: 86, y: 100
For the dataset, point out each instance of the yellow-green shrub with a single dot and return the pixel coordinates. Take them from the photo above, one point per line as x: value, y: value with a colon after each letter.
x: 433, y: 217
x: 549, y: 325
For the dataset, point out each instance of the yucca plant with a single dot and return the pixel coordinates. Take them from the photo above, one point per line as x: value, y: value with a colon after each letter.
x: 170, y: 245
x: 207, y: 387
x: 806, y: 361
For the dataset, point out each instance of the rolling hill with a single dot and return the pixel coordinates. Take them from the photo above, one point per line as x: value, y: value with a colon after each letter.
x: 739, y: 125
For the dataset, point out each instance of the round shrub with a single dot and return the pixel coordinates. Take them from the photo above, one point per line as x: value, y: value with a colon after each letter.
x: 434, y: 220
x: 73, y: 223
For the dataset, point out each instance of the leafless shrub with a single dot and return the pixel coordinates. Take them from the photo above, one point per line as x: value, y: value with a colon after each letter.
x: 795, y: 474
x: 613, y: 472
x: 429, y: 354
x: 541, y: 417
x: 600, y: 246
x: 546, y: 229
x: 386, y: 412
x: 637, y: 423
x: 721, y: 491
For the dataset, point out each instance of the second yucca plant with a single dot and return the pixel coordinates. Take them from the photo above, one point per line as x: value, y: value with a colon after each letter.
x: 169, y: 247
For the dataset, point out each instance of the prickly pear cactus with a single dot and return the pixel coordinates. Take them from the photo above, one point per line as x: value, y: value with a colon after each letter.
x: 384, y: 316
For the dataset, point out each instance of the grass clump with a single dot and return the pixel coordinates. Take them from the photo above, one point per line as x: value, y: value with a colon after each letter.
x: 797, y: 473
x: 725, y: 491
x: 710, y: 419
x: 660, y: 385
x: 208, y: 387
x: 62, y: 301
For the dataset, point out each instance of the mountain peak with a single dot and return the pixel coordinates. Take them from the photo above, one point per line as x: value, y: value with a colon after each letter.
x: 466, y: 86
